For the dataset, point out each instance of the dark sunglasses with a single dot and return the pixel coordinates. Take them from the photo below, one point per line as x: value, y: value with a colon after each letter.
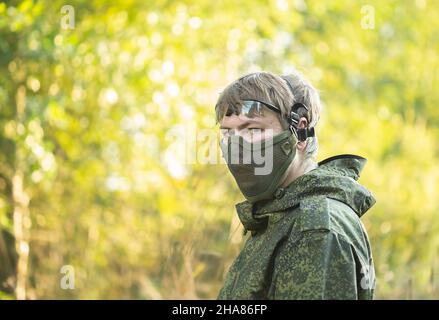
x: 252, y: 107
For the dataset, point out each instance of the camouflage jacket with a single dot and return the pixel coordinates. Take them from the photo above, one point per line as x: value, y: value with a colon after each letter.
x: 308, y: 242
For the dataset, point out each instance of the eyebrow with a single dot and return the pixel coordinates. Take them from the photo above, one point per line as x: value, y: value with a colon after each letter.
x: 245, y: 124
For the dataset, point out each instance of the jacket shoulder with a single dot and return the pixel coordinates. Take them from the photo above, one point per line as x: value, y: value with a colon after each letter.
x: 313, y: 214
x: 323, y: 213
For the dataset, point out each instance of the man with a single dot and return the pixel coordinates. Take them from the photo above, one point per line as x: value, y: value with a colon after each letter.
x: 307, y: 240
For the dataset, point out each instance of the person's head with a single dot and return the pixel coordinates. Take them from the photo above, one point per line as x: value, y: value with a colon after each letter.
x: 235, y: 114
x: 273, y: 89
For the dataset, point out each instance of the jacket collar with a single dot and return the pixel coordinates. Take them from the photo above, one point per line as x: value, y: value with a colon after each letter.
x: 334, y: 177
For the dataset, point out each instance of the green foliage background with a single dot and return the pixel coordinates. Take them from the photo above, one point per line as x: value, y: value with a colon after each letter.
x: 92, y: 142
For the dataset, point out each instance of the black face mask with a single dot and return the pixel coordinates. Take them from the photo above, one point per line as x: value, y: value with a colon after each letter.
x: 258, y: 167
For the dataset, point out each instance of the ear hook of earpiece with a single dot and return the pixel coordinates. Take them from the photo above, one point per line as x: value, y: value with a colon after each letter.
x: 298, y: 110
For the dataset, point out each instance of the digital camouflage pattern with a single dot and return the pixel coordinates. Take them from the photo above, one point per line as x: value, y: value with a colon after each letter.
x: 308, y: 242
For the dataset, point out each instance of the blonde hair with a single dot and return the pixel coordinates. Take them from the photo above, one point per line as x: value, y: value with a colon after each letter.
x: 271, y: 88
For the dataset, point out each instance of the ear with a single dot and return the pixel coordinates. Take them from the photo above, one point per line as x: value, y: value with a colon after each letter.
x: 303, y: 123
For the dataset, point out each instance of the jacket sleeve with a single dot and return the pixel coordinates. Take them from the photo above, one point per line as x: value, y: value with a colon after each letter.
x: 319, y: 264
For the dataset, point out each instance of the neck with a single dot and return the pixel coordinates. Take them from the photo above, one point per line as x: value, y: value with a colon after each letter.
x: 298, y: 167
